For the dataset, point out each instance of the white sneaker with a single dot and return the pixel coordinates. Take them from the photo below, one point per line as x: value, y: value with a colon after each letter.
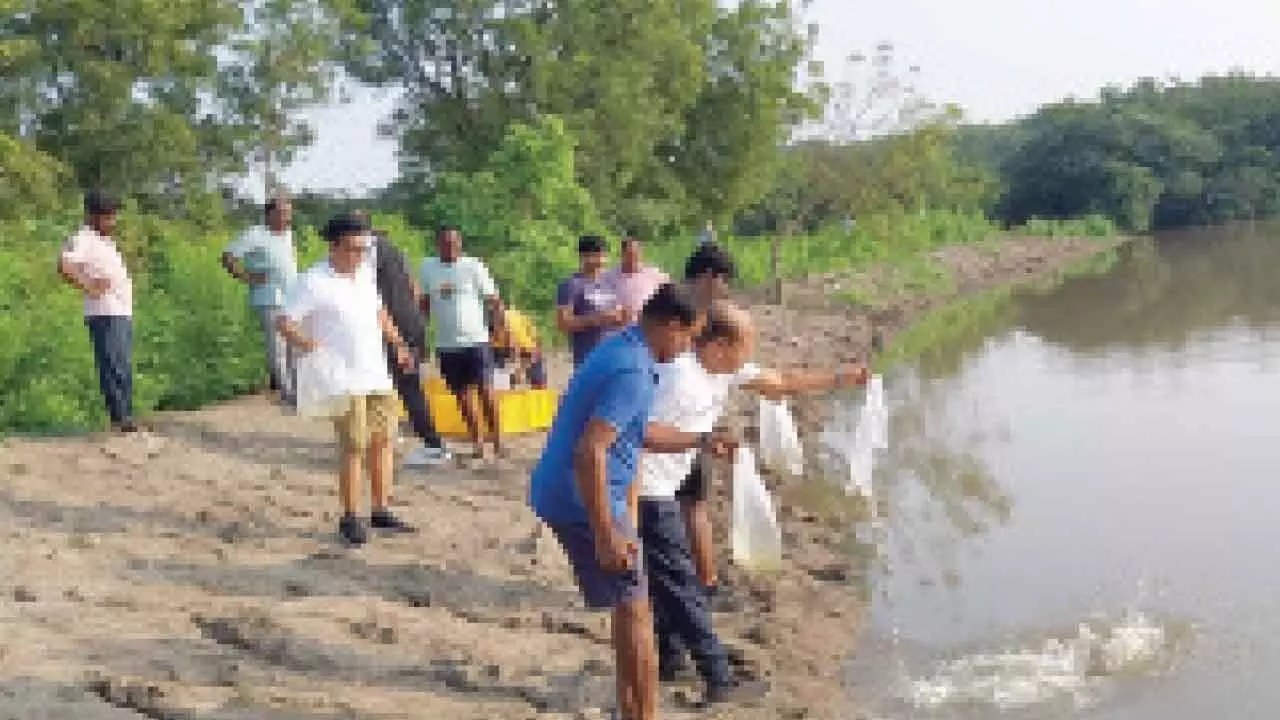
x: 423, y: 456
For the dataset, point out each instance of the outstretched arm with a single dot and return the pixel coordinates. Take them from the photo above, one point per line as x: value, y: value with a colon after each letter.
x: 774, y: 384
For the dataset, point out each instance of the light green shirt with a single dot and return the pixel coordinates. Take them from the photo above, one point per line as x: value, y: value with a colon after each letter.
x: 263, y: 251
x: 458, y: 291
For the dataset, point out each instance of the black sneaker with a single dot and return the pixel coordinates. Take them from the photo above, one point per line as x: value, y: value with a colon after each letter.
x: 738, y: 691
x: 384, y: 520
x: 352, y: 531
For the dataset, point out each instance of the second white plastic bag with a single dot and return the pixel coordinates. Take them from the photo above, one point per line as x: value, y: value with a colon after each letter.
x: 321, y: 385
x: 856, y: 433
x: 755, y: 535
x: 780, y: 448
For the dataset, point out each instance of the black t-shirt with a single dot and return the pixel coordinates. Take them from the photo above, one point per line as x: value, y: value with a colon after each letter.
x: 396, y: 289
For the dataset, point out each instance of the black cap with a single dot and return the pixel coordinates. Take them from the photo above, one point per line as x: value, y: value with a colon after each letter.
x: 97, y: 202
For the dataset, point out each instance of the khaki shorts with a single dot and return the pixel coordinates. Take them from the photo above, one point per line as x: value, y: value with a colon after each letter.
x: 369, y: 416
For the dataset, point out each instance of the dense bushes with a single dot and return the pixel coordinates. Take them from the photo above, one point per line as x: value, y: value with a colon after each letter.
x: 196, y: 341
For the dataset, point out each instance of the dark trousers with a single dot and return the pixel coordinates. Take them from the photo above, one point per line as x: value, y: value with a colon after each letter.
x: 112, y: 339
x: 409, y: 387
x: 681, y: 611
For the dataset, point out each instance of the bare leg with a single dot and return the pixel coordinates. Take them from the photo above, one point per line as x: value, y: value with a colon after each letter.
x: 348, y: 479
x: 698, y: 522
x: 636, y: 659
x: 380, y: 470
x: 489, y: 400
x: 467, y: 406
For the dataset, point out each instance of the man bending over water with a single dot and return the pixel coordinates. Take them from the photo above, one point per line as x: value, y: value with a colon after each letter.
x: 692, y: 396
x: 583, y: 485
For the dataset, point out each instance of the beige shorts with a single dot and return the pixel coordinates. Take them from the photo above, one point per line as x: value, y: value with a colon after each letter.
x: 368, y: 417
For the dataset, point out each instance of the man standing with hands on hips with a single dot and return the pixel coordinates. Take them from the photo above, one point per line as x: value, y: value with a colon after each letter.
x: 91, y: 262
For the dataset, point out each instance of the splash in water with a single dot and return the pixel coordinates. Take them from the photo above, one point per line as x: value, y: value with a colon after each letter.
x: 1070, y: 668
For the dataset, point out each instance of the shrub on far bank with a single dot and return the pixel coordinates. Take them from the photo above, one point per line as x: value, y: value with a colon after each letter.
x: 197, y: 342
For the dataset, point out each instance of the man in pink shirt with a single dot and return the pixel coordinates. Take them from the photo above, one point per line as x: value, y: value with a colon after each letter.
x: 634, y: 282
x: 91, y: 263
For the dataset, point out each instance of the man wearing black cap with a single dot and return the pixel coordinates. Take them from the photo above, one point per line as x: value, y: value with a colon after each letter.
x: 91, y: 262
x: 587, y: 306
x: 334, y: 306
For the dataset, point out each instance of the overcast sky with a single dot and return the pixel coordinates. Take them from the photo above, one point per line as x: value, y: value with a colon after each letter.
x: 997, y: 59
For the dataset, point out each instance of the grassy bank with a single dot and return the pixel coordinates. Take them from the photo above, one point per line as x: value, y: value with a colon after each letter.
x: 196, y: 341
x: 939, y: 339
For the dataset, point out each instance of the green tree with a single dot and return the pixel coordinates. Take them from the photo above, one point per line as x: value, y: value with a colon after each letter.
x: 733, y: 133
x: 31, y: 183
x: 1155, y: 155
x: 286, y: 57
x: 118, y: 91
x: 637, y: 82
x: 523, y: 209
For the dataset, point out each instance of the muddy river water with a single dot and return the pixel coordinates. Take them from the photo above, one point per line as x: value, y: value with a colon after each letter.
x: 1079, y: 512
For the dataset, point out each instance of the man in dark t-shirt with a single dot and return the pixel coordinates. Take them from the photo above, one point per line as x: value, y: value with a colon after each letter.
x: 587, y: 307
x: 400, y: 298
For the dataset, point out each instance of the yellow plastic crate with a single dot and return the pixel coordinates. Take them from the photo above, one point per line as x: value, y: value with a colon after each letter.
x: 519, y: 411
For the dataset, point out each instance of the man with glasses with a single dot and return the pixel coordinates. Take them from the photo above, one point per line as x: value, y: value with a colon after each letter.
x: 335, y: 306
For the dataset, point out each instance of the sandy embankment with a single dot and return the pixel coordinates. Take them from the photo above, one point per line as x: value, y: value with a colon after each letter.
x: 193, y: 575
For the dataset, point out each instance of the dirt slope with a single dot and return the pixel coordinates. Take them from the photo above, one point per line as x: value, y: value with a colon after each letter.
x: 192, y: 573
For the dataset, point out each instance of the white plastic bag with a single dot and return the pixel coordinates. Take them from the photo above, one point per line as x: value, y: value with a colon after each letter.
x: 856, y: 433
x: 501, y: 379
x: 780, y: 448
x: 875, y: 416
x: 755, y: 535
x: 321, y: 385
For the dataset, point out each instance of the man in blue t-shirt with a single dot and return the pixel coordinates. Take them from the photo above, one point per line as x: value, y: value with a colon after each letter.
x: 587, y: 308
x: 583, y: 485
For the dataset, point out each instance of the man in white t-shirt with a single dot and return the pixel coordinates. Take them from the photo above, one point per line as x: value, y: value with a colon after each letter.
x: 335, y: 306
x: 459, y: 294
x: 692, y: 396
x: 264, y: 258
x: 91, y: 262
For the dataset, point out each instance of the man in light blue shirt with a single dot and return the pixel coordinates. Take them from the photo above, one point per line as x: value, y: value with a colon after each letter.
x: 458, y: 293
x: 264, y: 259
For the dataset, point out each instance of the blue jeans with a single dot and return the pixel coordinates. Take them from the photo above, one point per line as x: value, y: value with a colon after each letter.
x: 681, y: 608
x: 112, y: 338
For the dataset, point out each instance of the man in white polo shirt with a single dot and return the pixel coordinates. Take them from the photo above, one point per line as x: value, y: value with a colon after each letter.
x: 335, y: 306
x: 91, y: 262
x: 692, y: 396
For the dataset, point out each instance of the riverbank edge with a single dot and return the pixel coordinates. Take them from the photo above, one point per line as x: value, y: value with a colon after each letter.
x: 772, y: 620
